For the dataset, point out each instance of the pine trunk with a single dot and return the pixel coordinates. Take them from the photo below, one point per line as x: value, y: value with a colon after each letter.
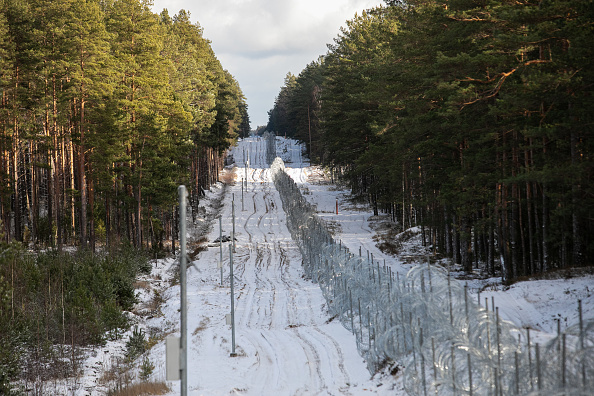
x: 577, y: 248
x: 545, y: 251
x: 83, y: 192
x: 91, y: 195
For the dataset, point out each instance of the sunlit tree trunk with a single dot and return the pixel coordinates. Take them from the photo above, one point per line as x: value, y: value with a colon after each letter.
x: 82, y: 176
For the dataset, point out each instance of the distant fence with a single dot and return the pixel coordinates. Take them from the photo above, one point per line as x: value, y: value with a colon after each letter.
x: 270, y: 146
x: 425, y: 322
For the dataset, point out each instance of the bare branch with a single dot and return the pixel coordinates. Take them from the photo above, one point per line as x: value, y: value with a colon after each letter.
x: 502, y: 77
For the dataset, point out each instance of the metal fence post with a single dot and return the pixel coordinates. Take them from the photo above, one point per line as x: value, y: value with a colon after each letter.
x: 183, y: 292
x: 233, y: 354
x: 221, y: 247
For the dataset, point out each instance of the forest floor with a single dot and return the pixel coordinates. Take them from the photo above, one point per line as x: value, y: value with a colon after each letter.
x: 286, y: 341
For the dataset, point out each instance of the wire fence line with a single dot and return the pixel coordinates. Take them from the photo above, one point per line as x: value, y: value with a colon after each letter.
x: 427, y: 324
x: 270, y: 146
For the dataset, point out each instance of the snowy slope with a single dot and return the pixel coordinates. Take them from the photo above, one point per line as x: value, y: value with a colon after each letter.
x: 537, y: 304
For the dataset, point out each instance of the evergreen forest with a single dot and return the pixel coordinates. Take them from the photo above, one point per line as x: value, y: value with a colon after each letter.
x: 106, y: 108
x: 471, y: 119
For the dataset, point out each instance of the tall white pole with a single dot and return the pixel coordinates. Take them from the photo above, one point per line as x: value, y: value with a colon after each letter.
x: 221, y: 247
x: 231, y: 281
x: 183, y: 293
x: 233, y: 215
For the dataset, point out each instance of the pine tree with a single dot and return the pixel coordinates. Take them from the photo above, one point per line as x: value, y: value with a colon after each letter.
x: 18, y: 103
x: 469, y: 118
x: 92, y: 83
x: 103, y: 103
x: 304, y: 106
x: 144, y: 96
x: 6, y: 69
x: 278, y: 118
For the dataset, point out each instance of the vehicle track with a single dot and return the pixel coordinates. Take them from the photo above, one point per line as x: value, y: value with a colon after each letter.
x: 275, y: 308
x: 334, y: 354
x: 313, y: 359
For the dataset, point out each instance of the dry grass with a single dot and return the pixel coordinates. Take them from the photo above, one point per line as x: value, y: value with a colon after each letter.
x: 142, y: 284
x: 388, y: 243
x: 198, y: 246
x: 108, y: 376
x: 203, y: 324
x: 144, y: 388
x: 389, y: 239
x: 154, y: 305
x: 115, y: 372
x: 151, y: 307
x: 228, y: 177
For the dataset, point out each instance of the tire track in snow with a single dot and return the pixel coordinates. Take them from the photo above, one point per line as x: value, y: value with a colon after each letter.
x: 252, y: 277
x: 279, y: 311
x: 272, y: 274
x: 283, y: 267
x: 263, y: 296
x: 334, y: 355
x: 267, y: 368
x: 255, y: 295
x: 312, y: 358
x: 270, y: 277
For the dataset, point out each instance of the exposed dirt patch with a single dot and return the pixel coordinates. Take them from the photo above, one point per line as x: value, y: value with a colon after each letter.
x: 196, y: 246
x: 388, y: 236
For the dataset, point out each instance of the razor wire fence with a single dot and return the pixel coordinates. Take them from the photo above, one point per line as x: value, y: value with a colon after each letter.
x: 427, y: 324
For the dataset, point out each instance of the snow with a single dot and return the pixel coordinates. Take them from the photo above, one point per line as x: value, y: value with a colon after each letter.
x: 286, y: 342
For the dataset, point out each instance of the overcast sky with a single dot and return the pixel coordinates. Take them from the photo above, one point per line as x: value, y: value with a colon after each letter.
x: 260, y: 41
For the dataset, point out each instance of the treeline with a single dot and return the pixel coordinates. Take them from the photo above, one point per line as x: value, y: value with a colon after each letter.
x: 470, y: 118
x: 107, y: 107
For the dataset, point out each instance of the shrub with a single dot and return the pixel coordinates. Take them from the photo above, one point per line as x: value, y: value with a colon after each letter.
x: 144, y: 388
x: 146, y: 369
x: 136, y: 344
x: 52, y: 298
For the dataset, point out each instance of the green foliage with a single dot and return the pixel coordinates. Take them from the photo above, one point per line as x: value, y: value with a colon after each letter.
x: 297, y: 108
x: 470, y: 118
x: 9, y: 355
x: 136, y: 344
x: 11, y: 337
x: 112, y: 319
x: 112, y: 103
x: 52, y: 298
x: 146, y: 369
x: 278, y: 118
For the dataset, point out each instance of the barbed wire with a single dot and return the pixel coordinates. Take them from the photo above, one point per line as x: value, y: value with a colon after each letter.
x: 425, y: 324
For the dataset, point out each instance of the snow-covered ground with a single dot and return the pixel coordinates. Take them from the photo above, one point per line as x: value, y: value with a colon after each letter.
x: 537, y: 305
x: 286, y: 342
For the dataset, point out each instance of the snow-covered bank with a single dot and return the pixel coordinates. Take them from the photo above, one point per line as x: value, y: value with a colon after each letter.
x: 393, y: 317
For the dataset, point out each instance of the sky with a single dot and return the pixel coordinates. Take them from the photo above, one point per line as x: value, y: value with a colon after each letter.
x: 260, y: 41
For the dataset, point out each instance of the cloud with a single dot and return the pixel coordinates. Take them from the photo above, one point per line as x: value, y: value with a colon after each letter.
x: 261, y: 79
x: 259, y: 41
